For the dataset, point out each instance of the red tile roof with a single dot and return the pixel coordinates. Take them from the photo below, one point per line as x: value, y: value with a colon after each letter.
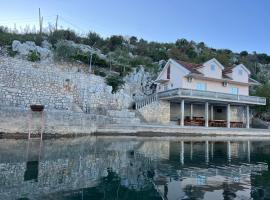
x: 190, y: 66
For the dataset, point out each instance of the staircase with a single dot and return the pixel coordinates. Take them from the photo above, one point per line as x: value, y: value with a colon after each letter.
x: 140, y: 103
x: 124, y: 117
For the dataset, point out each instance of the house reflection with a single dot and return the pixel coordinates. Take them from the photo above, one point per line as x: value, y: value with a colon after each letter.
x: 88, y: 168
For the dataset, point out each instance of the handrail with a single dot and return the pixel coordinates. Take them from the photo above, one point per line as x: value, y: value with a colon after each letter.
x: 145, y: 101
x: 212, y: 95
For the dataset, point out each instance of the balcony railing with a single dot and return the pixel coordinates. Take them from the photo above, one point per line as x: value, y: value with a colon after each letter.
x: 208, y: 95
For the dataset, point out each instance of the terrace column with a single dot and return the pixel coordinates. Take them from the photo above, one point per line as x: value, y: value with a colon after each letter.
x: 247, y: 113
x: 206, y: 152
x: 206, y: 114
x: 182, y: 152
x: 228, y: 116
x: 229, y: 152
x: 182, y: 112
x: 212, y: 113
x: 248, y: 150
x: 191, y: 111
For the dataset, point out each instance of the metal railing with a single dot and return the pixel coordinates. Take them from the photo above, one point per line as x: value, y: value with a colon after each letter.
x: 198, y: 94
x: 145, y: 101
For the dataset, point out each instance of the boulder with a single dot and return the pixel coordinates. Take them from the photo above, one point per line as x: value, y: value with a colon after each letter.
x: 25, y: 48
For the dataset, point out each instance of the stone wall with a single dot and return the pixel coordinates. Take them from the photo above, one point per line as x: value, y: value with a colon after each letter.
x: 14, y: 120
x: 156, y: 112
x: 23, y: 83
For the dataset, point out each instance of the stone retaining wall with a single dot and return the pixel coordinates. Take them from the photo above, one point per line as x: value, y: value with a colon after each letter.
x: 156, y: 112
x: 23, y: 83
x: 15, y: 120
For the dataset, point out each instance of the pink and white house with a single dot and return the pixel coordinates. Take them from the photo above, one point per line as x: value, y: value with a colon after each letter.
x: 207, y: 94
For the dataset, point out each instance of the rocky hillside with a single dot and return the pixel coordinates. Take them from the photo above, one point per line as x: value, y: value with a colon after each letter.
x: 117, y: 57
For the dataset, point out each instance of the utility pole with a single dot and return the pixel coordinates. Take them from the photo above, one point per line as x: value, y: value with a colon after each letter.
x: 56, y: 23
x: 40, y: 22
x: 90, y: 66
x: 91, y: 56
x: 110, y: 64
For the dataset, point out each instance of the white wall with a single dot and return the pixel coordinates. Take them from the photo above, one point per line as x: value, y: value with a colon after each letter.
x: 237, y: 77
x: 215, y: 86
x: 206, y: 70
x: 176, y: 77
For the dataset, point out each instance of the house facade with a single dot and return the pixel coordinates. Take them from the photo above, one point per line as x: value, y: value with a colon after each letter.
x: 206, y: 94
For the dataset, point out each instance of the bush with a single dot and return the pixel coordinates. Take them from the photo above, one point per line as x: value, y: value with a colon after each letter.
x: 33, y: 56
x: 83, y: 57
x: 11, y: 52
x: 64, y: 50
x: 115, y: 81
x: 55, y: 36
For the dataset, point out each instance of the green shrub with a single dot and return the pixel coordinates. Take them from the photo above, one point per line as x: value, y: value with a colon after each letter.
x: 115, y: 81
x: 99, y: 72
x: 64, y: 51
x: 80, y: 56
x: 33, y: 56
x: 58, y: 35
x: 11, y: 52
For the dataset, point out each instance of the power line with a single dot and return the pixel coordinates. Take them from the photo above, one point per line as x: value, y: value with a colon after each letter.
x: 74, y: 25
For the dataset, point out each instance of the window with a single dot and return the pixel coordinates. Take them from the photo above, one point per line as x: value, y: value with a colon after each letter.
x: 166, y: 87
x: 213, y: 67
x: 234, y: 90
x: 169, y: 72
x: 201, y: 86
x: 240, y: 72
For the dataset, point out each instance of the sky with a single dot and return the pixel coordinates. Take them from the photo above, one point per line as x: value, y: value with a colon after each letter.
x: 232, y: 24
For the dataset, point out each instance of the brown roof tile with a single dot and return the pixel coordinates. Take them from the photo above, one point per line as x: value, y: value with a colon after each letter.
x: 190, y: 66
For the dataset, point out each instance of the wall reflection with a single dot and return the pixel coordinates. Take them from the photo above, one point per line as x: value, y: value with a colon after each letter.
x: 93, y: 167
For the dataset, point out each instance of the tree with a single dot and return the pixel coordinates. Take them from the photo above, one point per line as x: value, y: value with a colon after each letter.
x: 93, y: 38
x: 115, y: 81
x: 243, y: 53
x: 115, y: 41
x: 263, y: 91
x: 133, y: 40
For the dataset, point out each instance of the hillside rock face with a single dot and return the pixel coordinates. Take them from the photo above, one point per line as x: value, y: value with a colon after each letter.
x: 24, y: 83
x: 25, y: 48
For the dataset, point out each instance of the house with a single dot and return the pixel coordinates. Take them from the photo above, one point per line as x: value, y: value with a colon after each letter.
x: 206, y: 94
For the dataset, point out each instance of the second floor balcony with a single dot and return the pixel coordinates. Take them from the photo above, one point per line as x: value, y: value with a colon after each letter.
x: 210, y: 96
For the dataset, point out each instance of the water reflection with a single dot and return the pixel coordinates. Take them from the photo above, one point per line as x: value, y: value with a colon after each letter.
x: 134, y: 168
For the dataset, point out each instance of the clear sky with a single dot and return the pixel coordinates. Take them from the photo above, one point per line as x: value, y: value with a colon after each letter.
x: 234, y: 24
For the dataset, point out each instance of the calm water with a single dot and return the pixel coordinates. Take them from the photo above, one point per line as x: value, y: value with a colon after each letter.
x: 135, y: 168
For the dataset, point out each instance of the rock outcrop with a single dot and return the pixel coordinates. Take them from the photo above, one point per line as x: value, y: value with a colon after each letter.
x: 25, y: 48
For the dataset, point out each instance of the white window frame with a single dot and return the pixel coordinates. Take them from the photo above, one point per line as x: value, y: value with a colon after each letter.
x: 240, y: 72
x: 234, y: 90
x: 213, y: 67
x: 201, y: 86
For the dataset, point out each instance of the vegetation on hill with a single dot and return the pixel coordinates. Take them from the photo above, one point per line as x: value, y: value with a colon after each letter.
x: 122, y: 55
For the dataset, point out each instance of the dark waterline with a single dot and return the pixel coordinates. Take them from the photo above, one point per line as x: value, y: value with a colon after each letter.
x: 134, y: 168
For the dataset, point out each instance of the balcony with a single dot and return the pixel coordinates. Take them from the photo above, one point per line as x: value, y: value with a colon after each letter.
x: 211, y: 96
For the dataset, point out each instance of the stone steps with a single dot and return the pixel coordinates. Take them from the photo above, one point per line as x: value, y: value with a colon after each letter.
x: 123, y: 117
x: 121, y: 113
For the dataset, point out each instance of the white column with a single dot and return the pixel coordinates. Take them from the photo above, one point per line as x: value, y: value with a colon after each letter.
x: 229, y: 152
x: 182, y: 152
x: 228, y: 116
x: 182, y: 112
x: 212, y: 112
x: 206, y: 152
x: 191, y: 111
x: 191, y: 150
x: 206, y: 114
x: 212, y: 150
x: 248, y: 150
x: 247, y: 113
